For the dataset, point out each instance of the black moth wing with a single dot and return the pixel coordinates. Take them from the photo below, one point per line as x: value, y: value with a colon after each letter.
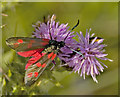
x: 35, y: 70
x: 26, y: 43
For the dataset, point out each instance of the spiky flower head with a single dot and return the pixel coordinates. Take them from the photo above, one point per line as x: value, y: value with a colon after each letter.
x: 91, y: 49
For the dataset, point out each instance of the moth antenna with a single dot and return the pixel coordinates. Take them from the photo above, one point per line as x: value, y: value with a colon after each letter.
x: 72, y: 29
x: 75, y: 51
x: 67, y: 36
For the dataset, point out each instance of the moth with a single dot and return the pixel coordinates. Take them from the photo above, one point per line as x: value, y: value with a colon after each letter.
x: 43, y: 52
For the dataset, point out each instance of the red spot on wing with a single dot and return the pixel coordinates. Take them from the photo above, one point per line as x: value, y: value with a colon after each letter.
x: 53, y: 57
x: 31, y: 61
x: 20, y: 40
x: 34, y: 59
x: 44, y: 65
x: 29, y: 74
x: 16, y: 45
x: 36, y: 74
x: 38, y: 64
x: 43, y: 54
x: 47, y: 40
x: 50, y: 55
x: 29, y: 53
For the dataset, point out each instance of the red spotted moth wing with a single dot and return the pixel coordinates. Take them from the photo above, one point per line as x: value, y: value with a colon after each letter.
x: 35, y: 70
x: 26, y: 43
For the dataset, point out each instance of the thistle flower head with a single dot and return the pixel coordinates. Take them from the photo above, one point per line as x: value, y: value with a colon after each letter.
x: 92, y: 49
x: 51, y: 29
x: 57, y: 32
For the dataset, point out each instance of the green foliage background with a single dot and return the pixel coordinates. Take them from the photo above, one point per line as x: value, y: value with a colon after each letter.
x: 101, y: 17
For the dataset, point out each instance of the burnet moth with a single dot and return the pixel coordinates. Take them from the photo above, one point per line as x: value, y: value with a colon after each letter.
x: 42, y: 50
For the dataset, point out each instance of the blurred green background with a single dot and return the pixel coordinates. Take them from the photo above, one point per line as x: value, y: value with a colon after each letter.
x: 101, y: 17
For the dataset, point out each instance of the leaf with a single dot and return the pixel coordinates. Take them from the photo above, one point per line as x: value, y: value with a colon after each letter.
x: 7, y: 58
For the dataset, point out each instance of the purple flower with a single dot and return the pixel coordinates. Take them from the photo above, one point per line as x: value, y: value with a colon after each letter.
x: 58, y: 32
x: 91, y: 50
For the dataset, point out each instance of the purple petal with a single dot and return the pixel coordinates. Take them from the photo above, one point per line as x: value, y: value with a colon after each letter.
x: 101, y: 55
x: 93, y: 41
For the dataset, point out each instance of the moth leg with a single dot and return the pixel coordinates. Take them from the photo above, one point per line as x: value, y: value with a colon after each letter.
x: 54, y: 63
x: 52, y: 67
x: 62, y: 63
